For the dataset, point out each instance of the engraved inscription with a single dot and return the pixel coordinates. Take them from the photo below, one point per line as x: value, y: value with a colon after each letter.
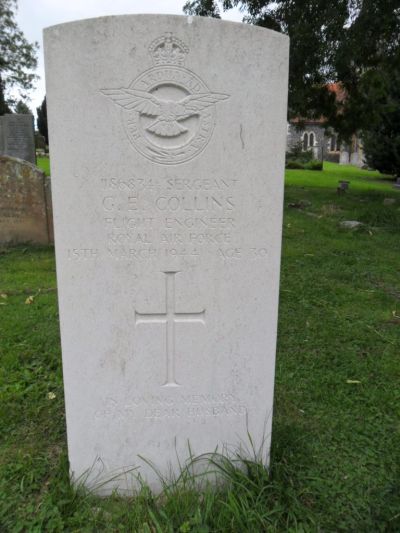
x: 170, y: 318
x: 193, y: 407
x: 168, y: 111
x: 151, y: 218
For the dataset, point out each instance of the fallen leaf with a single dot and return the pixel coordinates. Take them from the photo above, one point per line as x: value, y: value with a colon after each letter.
x: 29, y: 300
x: 4, y: 296
x: 51, y: 396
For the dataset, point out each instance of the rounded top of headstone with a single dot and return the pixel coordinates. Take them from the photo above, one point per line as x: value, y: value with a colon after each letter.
x: 157, y: 18
x: 8, y: 162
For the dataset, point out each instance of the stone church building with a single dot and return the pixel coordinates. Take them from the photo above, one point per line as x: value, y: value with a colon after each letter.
x: 324, y: 143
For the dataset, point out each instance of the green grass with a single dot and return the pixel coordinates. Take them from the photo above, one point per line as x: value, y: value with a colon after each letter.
x: 360, y: 180
x: 44, y: 164
x: 335, y: 462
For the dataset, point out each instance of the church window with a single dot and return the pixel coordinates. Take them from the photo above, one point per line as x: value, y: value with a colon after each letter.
x: 305, y: 141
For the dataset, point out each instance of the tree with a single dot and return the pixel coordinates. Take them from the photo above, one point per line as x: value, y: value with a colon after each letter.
x: 205, y: 8
x: 22, y: 109
x: 4, y: 108
x: 381, y: 137
x: 17, y: 57
x: 331, y: 41
x: 42, y: 120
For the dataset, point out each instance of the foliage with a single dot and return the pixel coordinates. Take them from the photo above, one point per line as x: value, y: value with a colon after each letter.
x: 312, y: 164
x: 294, y: 164
x: 205, y: 8
x: 296, y: 153
x: 22, y: 109
x: 4, y: 107
x: 17, y: 56
x: 330, y: 42
x: 42, y: 120
x: 297, y: 158
x: 336, y: 448
x: 381, y: 136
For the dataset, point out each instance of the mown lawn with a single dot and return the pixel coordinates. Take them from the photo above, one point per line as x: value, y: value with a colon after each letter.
x: 44, y: 164
x: 336, y: 438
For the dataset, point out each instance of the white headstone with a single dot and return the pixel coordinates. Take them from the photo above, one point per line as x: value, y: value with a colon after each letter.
x: 167, y: 152
x: 344, y: 157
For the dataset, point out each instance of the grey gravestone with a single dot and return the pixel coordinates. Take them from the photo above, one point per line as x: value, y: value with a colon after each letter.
x: 17, y: 137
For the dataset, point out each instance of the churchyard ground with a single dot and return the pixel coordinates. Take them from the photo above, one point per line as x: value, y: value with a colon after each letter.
x: 44, y: 164
x: 335, y: 462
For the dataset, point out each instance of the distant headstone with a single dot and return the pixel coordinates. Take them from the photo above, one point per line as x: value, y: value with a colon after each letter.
x: 25, y: 203
x: 350, y: 224
x: 17, y: 137
x: 168, y: 212
x: 40, y: 141
x: 344, y: 158
x: 389, y: 201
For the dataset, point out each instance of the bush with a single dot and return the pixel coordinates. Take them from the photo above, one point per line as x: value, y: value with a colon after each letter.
x: 314, y: 164
x: 294, y: 165
x: 381, y: 137
x: 298, y: 154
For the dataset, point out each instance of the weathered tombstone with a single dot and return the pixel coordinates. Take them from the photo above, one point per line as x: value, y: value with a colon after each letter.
x: 167, y: 140
x: 344, y: 157
x: 40, y: 142
x: 17, y: 137
x: 25, y: 203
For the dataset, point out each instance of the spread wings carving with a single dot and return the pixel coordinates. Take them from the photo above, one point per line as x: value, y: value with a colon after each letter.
x: 140, y: 101
x: 168, y: 112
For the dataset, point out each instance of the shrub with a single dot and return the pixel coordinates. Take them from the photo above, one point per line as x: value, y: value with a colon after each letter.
x: 298, y: 154
x: 314, y: 164
x: 294, y: 165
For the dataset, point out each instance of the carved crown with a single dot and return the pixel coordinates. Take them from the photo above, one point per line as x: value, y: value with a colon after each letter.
x: 168, y: 50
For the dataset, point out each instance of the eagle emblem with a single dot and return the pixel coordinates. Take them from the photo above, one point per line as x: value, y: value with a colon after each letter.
x: 168, y: 111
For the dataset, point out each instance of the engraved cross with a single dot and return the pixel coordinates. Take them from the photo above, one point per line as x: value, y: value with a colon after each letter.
x: 170, y: 318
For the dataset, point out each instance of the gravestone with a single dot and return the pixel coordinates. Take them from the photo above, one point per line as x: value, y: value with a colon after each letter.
x: 40, y: 142
x: 25, y: 203
x: 167, y: 137
x: 17, y: 137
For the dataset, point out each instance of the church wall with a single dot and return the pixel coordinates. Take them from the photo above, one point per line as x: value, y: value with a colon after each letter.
x: 323, y: 149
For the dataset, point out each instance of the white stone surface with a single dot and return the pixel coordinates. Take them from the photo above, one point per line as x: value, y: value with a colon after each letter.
x: 167, y: 151
x: 350, y: 224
